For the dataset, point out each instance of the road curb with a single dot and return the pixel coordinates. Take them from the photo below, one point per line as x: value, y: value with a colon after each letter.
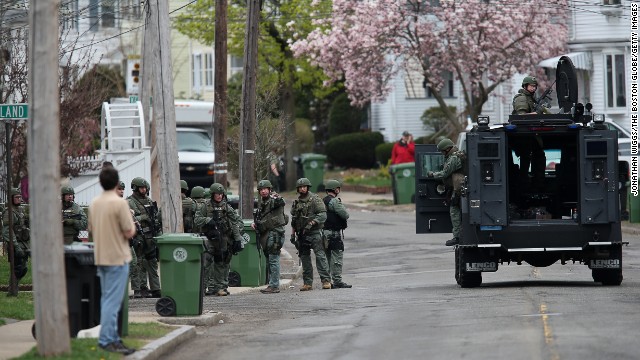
x: 157, y: 348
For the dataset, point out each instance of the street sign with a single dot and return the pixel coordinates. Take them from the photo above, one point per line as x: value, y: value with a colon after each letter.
x: 133, y: 99
x: 14, y: 111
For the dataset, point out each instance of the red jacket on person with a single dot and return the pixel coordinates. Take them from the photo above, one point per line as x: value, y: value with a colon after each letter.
x: 403, y: 152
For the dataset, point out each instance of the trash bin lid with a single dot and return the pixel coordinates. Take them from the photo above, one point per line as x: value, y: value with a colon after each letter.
x: 81, y: 252
x: 180, y: 238
x: 311, y: 156
x: 396, y: 168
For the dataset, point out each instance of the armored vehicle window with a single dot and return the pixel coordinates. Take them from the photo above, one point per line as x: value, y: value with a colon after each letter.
x: 596, y: 148
x: 430, y: 162
x: 488, y: 150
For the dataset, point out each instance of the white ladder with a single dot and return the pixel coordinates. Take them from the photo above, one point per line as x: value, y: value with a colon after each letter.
x: 122, y: 127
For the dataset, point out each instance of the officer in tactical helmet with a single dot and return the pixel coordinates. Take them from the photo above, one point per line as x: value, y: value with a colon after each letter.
x: 524, y: 101
x: 452, y: 175
x: 269, y: 222
x: 308, y: 216
x: 145, y: 212
x: 188, y: 207
x: 74, y: 218
x: 20, y: 224
x: 219, y: 222
x: 337, y: 216
x: 120, y: 189
x: 198, y: 196
x: 133, y: 265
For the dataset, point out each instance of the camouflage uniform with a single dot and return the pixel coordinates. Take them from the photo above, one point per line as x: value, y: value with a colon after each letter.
x: 269, y: 222
x: 149, y: 216
x: 220, y: 222
x: 74, y: 218
x: 21, y: 245
x: 308, y: 217
x: 452, y: 165
x: 197, y: 194
x: 188, y: 208
x: 337, y: 216
x: 523, y: 102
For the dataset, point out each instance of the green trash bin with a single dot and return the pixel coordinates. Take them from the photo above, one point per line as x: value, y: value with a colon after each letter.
x: 180, y: 274
x: 403, y: 178
x: 249, y: 267
x: 313, y: 169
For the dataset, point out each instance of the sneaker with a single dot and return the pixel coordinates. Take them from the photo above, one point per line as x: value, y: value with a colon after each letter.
x: 117, y: 347
x: 341, y: 285
x: 452, y: 242
x: 326, y: 284
x: 270, y: 290
x: 306, y: 287
x: 154, y: 294
x: 221, y: 293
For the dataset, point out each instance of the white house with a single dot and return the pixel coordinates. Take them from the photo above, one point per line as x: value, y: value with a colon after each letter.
x: 599, y: 46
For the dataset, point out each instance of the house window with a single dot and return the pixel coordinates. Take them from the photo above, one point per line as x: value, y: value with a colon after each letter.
x: 447, y: 87
x: 196, y: 65
x: 94, y: 15
x: 130, y: 8
x: 69, y: 15
x: 102, y: 14
x: 208, y: 69
x: 615, y: 72
x: 610, y: 2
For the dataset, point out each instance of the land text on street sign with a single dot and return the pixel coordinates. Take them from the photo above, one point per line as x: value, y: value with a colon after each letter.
x: 14, y: 111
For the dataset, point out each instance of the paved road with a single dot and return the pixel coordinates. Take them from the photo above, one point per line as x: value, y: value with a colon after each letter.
x: 405, y: 304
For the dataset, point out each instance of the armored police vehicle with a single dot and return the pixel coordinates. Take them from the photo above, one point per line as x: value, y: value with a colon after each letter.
x: 539, y: 189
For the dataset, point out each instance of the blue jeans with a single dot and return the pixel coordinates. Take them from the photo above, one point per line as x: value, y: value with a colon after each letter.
x: 113, y: 281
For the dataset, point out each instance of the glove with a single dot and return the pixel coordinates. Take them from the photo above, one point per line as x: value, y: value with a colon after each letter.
x: 430, y: 174
x: 309, y: 225
x: 236, y: 247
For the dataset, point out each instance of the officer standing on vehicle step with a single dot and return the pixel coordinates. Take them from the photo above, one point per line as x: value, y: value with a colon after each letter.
x: 21, y: 243
x: 188, y: 207
x: 269, y: 223
x: 308, y: 216
x: 452, y: 175
x: 337, y: 216
x: 219, y: 221
x: 146, y: 212
x: 74, y: 218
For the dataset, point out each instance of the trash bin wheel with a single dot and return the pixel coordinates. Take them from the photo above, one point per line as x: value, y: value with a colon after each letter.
x: 166, y: 306
x: 234, y: 279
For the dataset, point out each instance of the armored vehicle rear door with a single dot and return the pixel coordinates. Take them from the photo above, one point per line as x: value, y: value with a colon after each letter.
x: 598, y: 177
x: 432, y: 214
x: 487, y: 178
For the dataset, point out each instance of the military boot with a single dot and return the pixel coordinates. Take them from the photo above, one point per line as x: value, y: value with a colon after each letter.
x: 221, y: 293
x: 341, y: 285
x: 452, y: 242
x: 154, y: 294
x: 144, y: 292
x: 326, y: 284
x: 137, y: 294
x: 306, y: 287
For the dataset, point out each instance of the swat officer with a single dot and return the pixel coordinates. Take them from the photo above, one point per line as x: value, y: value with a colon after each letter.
x: 308, y: 216
x: 188, y: 207
x: 21, y: 244
x: 269, y: 223
x: 337, y: 216
x: 219, y: 221
x: 198, y: 196
x: 133, y: 265
x: 146, y: 212
x: 452, y: 175
x: 74, y: 219
x: 524, y: 101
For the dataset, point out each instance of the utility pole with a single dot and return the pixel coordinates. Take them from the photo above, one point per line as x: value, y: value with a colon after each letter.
x: 164, y: 116
x: 149, y: 44
x: 52, y: 319
x: 248, y: 111
x: 220, y: 93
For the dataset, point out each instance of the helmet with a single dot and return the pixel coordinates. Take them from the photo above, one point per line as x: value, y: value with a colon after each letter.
x: 146, y: 183
x: 121, y: 185
x: 444, y: 144
x: 217, y: 188
x: 138, y: 182
x: 332, y: 184
x: 197, y: 192
x: 529, y: 80
x: 303, y: 182
x: 264, y: 184
x: 207, y: 193
x: 16, y: 191
x: 68, y: 190
x: 183, y: 185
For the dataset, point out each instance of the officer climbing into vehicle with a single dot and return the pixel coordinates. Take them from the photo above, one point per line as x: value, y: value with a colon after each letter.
x: 308, y: 216
x: 337, y: 216
x: 452, y: 174
x: 74, y: 218
x: 21, y: 243
x: 219, y: 221
x: 146, y: 212
x: 269, y: 223
x: 188, y: 207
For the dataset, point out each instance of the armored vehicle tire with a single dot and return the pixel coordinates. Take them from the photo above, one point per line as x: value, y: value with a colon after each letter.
x: 166, y: 306
x: 466, y: 279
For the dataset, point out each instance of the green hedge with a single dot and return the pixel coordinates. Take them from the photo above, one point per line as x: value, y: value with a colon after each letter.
x: 383, y: 153
x: 357, y: 150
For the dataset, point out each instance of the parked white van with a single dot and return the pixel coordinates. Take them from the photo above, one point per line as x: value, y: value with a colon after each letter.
x: 196, y: 152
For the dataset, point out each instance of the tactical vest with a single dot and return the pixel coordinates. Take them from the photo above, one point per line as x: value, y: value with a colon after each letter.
x: 219, y: 213
x: 269, y: 216
x: 187, y: 214
x: 69, y: 232
x: 20, y: 224
x: 303, y: 211
x: 334, y: 222
x: 457, y: 178
x: 199, y: 204
x: 144, y: 206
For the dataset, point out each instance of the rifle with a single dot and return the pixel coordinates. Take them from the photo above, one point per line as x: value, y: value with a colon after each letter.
x: 540, y: 102
x: 69, y: 214
x: 213, y: 233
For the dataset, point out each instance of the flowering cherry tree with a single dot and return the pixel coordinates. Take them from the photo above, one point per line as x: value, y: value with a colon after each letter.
x: 482, y: 42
